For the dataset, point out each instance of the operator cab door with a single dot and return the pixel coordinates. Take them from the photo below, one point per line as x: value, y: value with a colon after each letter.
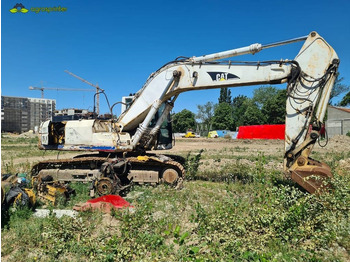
x: 165, y: 134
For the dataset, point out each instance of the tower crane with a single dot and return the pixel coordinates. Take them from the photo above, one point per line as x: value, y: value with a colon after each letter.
x: 98, y: 90
x: 57, y: 89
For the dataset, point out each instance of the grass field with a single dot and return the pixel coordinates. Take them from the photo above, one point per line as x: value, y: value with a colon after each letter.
x: 236, y: 205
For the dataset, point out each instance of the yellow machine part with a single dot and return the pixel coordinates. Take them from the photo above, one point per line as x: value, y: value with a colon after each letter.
x: 31, y: 195
x: 17, y: 199
x: 142, y: 158
x: 52, y: 193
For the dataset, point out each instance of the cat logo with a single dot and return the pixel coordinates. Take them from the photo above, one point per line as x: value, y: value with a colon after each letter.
x: 19, y: 8
x: 221, y: 76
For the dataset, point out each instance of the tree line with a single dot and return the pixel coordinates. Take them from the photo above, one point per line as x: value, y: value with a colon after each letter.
x: 267, y: 106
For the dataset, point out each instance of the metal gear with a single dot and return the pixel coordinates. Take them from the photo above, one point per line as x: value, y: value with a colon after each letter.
x: 105, y: 186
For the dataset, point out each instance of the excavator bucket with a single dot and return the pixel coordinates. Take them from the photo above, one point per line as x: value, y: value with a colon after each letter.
x: 313, y: 176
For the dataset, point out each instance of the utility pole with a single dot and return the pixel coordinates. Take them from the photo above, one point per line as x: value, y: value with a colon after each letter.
x: 98, y: 90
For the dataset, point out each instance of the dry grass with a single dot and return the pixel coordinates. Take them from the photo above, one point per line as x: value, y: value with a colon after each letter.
x: 238, y: 207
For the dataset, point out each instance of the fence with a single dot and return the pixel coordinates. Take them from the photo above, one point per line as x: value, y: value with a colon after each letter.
x: 338, y: 127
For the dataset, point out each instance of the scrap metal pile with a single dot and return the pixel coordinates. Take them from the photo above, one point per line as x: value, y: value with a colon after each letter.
x: 17, y: 190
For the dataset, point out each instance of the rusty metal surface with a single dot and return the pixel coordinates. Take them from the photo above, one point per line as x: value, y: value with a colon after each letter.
x: 156, y: 163
x: 145, y: 169
x: 52, y: 191
x: 170, y: 176
x: 71, y: 160
x: 313, y: 176
x: 144, y: 176
x: 105, y: 186
x: 77, y: 175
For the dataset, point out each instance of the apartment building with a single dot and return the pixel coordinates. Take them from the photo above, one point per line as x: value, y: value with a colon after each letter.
x: 21, y: 114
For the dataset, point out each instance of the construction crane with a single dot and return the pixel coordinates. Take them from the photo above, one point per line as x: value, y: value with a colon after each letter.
x: 57, y: 89
x: 98, y: 90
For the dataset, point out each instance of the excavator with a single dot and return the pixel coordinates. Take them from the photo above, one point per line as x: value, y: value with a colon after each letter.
x: 118, y: 148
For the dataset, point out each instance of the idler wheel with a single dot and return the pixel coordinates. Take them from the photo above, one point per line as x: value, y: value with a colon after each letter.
x: 170, y: 176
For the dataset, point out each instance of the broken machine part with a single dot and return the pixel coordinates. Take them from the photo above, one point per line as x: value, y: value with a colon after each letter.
x: 51, y: 191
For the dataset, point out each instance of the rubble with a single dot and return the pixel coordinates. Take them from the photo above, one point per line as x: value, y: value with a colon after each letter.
x: 41, y: 213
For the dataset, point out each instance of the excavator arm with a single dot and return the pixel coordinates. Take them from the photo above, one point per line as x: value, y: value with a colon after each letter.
x: 310, y: 77
x: 308, y: 96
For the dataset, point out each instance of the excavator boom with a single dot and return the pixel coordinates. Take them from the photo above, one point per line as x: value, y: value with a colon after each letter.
x: 310, y: 77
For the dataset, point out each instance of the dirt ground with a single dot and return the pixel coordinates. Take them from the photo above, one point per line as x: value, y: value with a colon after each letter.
x: 247, y: 151
x: 224, y: 150
x: 336, y: 144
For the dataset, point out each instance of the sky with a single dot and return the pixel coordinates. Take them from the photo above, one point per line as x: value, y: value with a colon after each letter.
x: 118, y: 44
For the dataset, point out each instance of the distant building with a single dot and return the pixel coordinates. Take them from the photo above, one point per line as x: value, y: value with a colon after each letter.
x: 338, y: 121
x: 71, y: 114
x: 76, y: 114
x: 21, y: 114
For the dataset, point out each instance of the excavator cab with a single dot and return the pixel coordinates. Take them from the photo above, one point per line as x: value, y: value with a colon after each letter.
x: 165, y: 134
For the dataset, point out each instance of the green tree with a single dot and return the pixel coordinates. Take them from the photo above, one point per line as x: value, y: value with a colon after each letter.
x: 338, y: 87
x: 346, y: 100
x: 267, y: 106
x: 222, y: 118
x: 252, y: 114
x: 238, y: 108
x: 183, y: 120
x: 205, y: 114
x: 225, y: 96
x: 274, y: 108
x: 262, y: 94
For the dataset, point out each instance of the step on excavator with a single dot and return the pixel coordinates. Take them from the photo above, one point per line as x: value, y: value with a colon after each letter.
x: 118, y: 146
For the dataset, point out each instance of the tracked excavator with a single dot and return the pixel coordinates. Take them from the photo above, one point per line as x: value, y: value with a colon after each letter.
x: 118, y: 147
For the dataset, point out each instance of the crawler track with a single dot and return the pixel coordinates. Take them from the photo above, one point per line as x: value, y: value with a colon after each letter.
x: 150, y: 168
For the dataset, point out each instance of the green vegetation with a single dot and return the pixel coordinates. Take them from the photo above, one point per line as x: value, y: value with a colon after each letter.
x: 252, y: 214
x: 183, y: 121
x: 236, y: 205
x: 205, y: 115
x: 345, y: 100
x: 225, y: 96
x: 222, y: 119
x: 340, y: 88
x: 13, y: 148
x: 267, y: 106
